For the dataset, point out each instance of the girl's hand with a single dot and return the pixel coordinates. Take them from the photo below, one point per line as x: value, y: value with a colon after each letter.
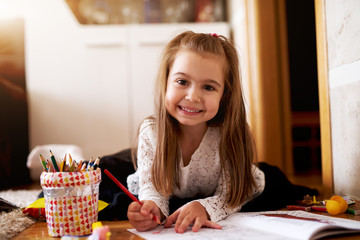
x: 141, y: 217
x: 192, y: 213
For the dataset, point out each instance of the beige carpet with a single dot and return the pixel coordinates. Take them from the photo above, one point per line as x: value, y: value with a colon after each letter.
x: 14, y: 222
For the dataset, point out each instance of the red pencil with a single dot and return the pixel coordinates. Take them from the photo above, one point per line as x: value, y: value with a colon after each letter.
x: 295, y: 207
x: 127, y: 191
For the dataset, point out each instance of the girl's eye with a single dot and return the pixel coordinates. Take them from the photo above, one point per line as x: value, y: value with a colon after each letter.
x: 181, y: 82
x: 209, y: 88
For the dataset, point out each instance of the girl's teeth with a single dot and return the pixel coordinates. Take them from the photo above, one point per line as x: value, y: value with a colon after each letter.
x: 188, y: 110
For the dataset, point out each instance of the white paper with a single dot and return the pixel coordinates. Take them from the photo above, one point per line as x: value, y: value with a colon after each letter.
x: 228, y: 232
x: 270, y: 225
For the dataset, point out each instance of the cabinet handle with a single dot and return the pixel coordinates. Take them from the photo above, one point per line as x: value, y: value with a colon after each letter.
x: 152, y: 44
x: 104, y: 45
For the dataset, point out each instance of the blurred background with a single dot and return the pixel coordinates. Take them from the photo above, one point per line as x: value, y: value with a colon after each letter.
x: 91, y: 65
x: 82, y: 72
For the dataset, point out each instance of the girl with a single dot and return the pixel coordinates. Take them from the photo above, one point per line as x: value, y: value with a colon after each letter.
x: 198, y: 145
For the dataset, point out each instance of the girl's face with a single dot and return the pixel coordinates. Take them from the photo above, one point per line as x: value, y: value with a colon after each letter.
x: 194, y: 87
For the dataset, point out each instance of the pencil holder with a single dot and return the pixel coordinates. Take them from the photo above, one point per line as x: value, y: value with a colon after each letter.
x: 71, y: 201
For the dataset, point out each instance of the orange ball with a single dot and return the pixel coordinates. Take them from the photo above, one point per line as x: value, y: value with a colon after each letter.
x: 336, y: 205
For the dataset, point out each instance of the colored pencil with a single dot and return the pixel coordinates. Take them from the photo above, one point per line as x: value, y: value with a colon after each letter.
x: 54, y: 161
x: 127, y: 191
x: 43, y: 162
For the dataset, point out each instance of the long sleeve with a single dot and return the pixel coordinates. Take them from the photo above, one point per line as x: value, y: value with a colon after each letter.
x: 216, y: 205
x: 146, y: 152
x: 202, y: 178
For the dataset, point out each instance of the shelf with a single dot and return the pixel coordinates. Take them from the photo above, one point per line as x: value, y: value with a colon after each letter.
x: 150, y: 11
x: 306, y: 142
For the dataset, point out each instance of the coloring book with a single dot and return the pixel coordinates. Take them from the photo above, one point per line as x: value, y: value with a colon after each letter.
x: 269, y: 225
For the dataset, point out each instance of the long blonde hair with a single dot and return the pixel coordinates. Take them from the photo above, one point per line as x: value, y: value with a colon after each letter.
x: 237, y: 150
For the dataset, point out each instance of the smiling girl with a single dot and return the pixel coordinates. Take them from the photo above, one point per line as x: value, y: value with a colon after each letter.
x: 197, y: 149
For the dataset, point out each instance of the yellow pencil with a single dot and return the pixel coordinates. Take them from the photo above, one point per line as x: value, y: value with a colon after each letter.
x: 62, y: 165
x: 70, y: 160
x: 83, y: 167
x: 72, y: 166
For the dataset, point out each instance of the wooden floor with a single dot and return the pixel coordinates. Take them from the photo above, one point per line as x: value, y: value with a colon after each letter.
x: 118, y: 230
x: 308, y: 180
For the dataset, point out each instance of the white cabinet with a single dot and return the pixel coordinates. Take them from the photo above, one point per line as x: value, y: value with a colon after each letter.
x: 91, y: 85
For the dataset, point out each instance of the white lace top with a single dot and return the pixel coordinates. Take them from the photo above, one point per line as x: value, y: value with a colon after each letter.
x: 201, y: 178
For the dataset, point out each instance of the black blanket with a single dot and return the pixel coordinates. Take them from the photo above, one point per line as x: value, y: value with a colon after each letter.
x: 278, y: 192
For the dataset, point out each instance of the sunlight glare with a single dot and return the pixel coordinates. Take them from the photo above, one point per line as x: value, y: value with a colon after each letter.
x: 11, y: 9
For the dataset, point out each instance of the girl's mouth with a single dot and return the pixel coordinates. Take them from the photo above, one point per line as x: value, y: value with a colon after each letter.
x: 189, y: 110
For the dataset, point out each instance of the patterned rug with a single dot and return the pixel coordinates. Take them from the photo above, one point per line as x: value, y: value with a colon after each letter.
x: 14, y: 222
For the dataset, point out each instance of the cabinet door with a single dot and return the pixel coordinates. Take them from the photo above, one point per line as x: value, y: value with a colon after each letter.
x: 77, y: 81
x: 147, y: 44
x: 105, y: 88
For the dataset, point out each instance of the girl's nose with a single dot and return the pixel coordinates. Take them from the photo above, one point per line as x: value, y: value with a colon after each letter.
x: 193, y: 95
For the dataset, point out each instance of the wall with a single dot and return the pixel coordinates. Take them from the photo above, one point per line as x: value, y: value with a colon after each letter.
x: 77, y: 91
x: 92, y: 85
x: 343, y: 37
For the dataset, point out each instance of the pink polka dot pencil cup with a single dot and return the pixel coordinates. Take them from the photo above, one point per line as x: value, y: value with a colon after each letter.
x: 71, y: 201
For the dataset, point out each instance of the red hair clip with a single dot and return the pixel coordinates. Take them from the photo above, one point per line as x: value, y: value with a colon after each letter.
x: 214, y: 35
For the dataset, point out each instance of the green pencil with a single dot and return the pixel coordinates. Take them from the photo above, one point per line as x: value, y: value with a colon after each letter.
x: 43, y: 162
x: 54, y: 161
x: 353, y: 211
